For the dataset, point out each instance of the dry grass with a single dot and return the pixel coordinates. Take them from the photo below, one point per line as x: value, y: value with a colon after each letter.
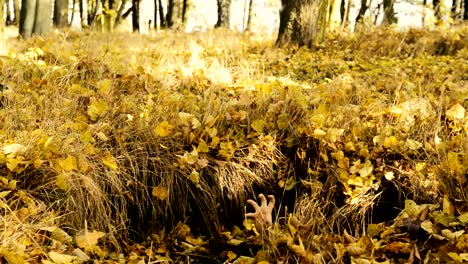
x: 228, y: 82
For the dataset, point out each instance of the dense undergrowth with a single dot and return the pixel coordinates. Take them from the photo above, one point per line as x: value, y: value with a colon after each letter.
x: 149, y: 147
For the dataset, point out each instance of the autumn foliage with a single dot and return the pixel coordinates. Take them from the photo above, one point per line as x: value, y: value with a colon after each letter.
x: 152, y: 145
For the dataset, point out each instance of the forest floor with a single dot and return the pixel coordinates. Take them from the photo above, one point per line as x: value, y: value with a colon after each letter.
x: 221, y: 148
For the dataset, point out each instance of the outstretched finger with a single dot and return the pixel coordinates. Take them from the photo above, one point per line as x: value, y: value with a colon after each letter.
x: 271, y: 200
x: 254, y: 204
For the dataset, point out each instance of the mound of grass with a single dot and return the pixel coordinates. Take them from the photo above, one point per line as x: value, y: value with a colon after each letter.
x: 112, y: 139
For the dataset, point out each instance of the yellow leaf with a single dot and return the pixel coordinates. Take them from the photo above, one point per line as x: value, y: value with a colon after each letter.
x: 390, y: 142
x: 58, y: 234
x: 318, y: 133
x: 194, y: 177
x: 104, y: 86
x: 209, y: 121
x: 11, y: 257
x: 231, y: 255
x: 59, y: 258
x: 212, y: 131
x: 189, y: 157
x: 457, y: 111
x: 283, y: 121
x: 12, y: 163
x: 258, y: 125
x: 160, y: 192
x: 366, y: 169
x: 97, y: 108
x: 68, y: 164
x: 164, y: 129
x: 185, y: 117
x: 389, y: 175
x: 334, y: 134
x: 195, y: 123
x: 110, y: 161
x: 202, y: 147
x: 14, y: 149
x: 61, y: 181
x: 87, y: 240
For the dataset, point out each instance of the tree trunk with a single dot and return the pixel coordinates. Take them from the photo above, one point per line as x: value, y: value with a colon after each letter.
x: 302, y: 22
x: 162, y: 19
x: 173, y: 16
x: 16, y: 8
x: 93, y: 11
x: 224, y: 10
x: 43, y: 19
x: 119, y: 17
x: 362, y: 10
x: 9, y: 19
x: 249, y: 16
x: 136, y: 15
x: 61, y: 13
x: 83, y: 13
x: 389, y: 12
x: 2, y: 22
x: 335, y: 15
x: 26, y: 23
x: 465, y: 8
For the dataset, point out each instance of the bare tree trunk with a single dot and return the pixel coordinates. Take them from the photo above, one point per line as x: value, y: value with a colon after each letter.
x: 2, y: 14
x: 42, y: 21
x: 389, y: 12
x: 174, y: 13
x: 249, y: 16
x: 162, y: 19
x: 465, y: 8
x: 16, y: 8
x: 119, y: 17
x: 93, y: 11
x: 335, y: 15
x: 303, y: 22
x: 61, y: 13
x: 224, y: 10
x: 362, y: 10
x: 136, y: 15
x: 9, y: 19
x: 26, y: 23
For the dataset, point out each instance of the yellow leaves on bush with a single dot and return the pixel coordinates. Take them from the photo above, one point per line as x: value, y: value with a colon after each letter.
x: 104, y: 87
x: 109, y: 161
x: 202, y: 146
x: 391, y: 142
x: 160, y: 192
x: 61, y: 181
x: 258, y: 125
x: 97, y: 108
x: 454, y: 163
x: 194, y: 177
x: 164, y: 129
x: 68, y: 164
x: 189, y: 157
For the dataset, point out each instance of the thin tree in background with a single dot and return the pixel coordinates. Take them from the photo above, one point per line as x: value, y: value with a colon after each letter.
x: 249, y: 16
x: 26, y: 23
x: 61, y: 13
x: 334, y: 22
x: 303, y: 22
x: 43, y: 18
x: 173, y: 15
x: 465, y: 8
x: 136, y: 15
x: 162, y: 19
x: 16, y: 10
x: 2, y: 22
x: 389, y: 12
x: 9, y: 19
x: 224, y: 9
